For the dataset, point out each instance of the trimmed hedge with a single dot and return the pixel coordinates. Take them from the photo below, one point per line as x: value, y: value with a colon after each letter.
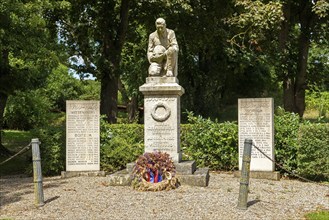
x: 300, y: 147
x: 210, y: 144
x: 120, y: 144
x: 313, y: 151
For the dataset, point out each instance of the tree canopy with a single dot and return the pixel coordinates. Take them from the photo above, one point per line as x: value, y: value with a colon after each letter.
x: 228, y: 49
x: 27, y: 47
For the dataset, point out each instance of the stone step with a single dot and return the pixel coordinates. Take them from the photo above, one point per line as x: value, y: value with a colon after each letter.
x: 269, y: 175
x: 187, y: 175
x: 69, y: 174
x: 199, y: 178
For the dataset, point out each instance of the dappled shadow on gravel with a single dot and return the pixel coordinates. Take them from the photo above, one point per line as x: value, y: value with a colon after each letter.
x: 92, y: 198
x: 12, y: 190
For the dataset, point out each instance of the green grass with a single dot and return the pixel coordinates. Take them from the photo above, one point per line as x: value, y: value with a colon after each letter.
x: 14, y: 141
x: 313, y: 116
x: 318, y: 215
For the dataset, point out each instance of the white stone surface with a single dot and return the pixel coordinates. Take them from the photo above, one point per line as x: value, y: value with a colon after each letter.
x: 162, y: 115
x: 256, y: 123
x: 82, y: 135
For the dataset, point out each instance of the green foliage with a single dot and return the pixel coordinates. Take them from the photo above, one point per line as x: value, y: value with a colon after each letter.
x: 26, y: 45
x: 318, y: 62
x: 254, y: 18
x: 301, y: 148
x: 321, y: 8
x: 120, y: 144
x: 258, y: 14
x: 52, y: 148
x: 26, y: 110
x: 91, y: 90
x: 210, y: 144
x: 286, y: 127
x: 62, y: 86
x: 313, y: 151
x: 318, y: 100
x: 14, y: 141
x: 31, y: 109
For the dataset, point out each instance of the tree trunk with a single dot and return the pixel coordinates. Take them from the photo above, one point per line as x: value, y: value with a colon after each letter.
x: 4, y: 71
x: 306, y: 18
x: 132, y: 108
x: 109, y: 97
x: 304, y: 44
x: 294, y: 85
x: 286, y: 73
x: 131, y: 103
x: 288, y: 94
x: 112, y: 53
x: 3, y: 101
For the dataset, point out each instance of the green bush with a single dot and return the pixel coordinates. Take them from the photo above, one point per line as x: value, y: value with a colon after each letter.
x: 52, y: 149
x: 317, y: 100
x: 120, y: 144
x: 286, y: 125
x: 27, y: 110
x: 301, y: 148
x: 313, y: 151
x: 210, y: 144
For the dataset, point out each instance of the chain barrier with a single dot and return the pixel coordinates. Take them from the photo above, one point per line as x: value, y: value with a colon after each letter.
x: 23, y: 150
x: 292, y: 173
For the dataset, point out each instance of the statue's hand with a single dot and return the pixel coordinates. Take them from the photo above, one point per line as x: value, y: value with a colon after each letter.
x: 157, y: 57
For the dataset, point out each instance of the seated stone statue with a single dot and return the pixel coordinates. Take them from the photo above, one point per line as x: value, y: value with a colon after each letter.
x: 162, y: 51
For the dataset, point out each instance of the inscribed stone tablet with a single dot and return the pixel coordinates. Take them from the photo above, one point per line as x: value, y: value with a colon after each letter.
x: 82, y: 136
x: 256, y: 123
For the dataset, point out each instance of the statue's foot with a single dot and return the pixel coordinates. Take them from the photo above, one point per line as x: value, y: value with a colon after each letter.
x: 169, y: 73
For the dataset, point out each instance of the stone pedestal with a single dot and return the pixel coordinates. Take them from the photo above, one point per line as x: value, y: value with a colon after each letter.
x: 162, y: 115
x: 162, y: 132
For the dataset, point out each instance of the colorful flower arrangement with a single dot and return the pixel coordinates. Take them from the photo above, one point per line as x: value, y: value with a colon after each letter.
x: 154, y: 172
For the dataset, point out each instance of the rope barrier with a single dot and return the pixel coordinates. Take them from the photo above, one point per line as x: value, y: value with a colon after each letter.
x: 279, y: 165
x: 27, y: 147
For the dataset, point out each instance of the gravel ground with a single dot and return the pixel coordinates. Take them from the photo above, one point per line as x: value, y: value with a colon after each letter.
x: 91, y: 198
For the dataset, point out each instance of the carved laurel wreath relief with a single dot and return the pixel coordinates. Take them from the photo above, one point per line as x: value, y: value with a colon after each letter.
x: 160, y: 117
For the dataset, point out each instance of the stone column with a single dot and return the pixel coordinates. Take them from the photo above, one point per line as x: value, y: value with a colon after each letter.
x: 162, y: 115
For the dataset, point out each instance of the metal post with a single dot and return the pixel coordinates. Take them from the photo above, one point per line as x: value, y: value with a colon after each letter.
x: 244, y: 180
x: 37, y: 173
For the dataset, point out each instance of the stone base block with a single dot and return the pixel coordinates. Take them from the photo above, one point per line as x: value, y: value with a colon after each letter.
x: 199, y: 178
x: 261, y: 175
x: 130, y: 167
x: 186, y: 173
x: 68, y: 174
x: 185, y: 167
x: 120, y: 178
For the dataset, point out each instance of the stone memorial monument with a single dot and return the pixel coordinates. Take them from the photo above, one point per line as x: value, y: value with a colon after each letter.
x: 256, y: 122
x: 82, y: 138
x: 162, y: 94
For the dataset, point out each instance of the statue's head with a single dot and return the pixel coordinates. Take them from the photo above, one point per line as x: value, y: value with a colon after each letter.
x: 160, y: 25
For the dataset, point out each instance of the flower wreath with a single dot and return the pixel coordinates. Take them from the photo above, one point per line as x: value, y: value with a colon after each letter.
x: 154, y: 172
